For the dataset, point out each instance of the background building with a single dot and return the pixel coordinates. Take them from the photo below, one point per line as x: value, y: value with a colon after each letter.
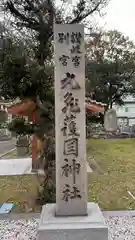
x: 126, y: 113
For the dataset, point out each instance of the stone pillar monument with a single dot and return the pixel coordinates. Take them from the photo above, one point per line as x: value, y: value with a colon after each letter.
x: 71, y: 217
x: 110, y: 121
x: 71, y: 174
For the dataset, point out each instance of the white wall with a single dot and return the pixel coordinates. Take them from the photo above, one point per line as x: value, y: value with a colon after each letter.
x: 128, y: 110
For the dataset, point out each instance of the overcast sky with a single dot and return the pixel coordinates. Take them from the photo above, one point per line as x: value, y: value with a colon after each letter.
x: 121, y: 16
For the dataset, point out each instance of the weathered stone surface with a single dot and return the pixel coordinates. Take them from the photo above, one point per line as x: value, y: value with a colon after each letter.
x: 90, y: 227
x: 71, y: 172
x: 110, y: 121
x: 22, y: 146
x: 71, y: 218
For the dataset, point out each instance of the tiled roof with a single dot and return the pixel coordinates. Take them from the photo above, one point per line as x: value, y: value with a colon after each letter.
x: 89, y: 100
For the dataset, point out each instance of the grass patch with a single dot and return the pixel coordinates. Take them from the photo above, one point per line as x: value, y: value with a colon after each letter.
x: 117, y: 160
x: 13, y: 154
x: 108, y: 187
x: 21, y: 190
x: 10, y: 155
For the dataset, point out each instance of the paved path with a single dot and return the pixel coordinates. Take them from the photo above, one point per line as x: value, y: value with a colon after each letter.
x: 6, y: 146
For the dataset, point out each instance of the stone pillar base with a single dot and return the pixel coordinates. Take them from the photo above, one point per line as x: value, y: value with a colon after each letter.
x: 90, y: 227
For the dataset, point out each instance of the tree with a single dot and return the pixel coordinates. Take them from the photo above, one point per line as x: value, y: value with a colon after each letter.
x: 36, y: 19
x: 29, y: 73
x: 110, y: 58
x: 35, y: 72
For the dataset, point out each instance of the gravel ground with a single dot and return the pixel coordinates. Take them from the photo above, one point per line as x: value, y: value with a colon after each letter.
x: 18, y: 230
x: 120, y: 228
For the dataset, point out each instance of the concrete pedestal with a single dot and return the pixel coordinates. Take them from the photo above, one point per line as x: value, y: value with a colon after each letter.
x: 90, y: 227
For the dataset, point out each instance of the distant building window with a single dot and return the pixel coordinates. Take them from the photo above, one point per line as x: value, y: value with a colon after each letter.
x: 126, y: 109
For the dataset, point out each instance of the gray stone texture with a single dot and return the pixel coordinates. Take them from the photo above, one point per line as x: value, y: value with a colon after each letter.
x: 90, y: 227
x: 66, y: 185
x: 110, y: 121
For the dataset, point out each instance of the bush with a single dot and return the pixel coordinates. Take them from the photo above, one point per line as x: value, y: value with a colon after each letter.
x: 47, y: 193
x: 20, y: 126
